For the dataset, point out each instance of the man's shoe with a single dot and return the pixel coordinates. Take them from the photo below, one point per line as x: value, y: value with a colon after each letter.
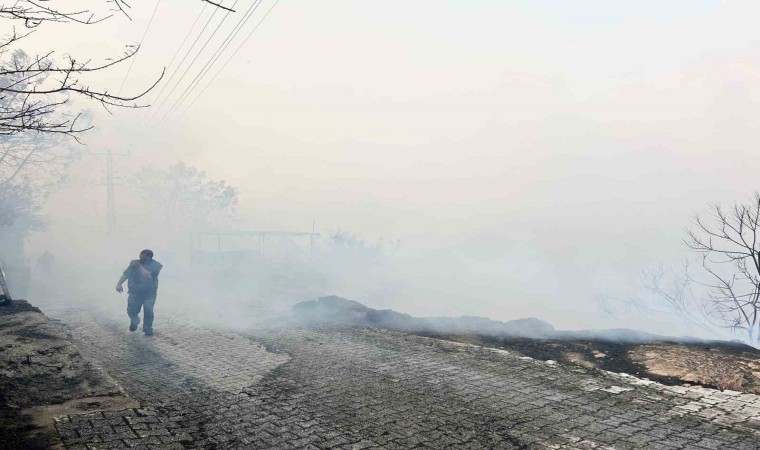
x: 148, y: 332
x: 133, y: 325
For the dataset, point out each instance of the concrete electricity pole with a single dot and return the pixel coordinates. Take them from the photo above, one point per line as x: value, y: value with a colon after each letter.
x: 110, y: 195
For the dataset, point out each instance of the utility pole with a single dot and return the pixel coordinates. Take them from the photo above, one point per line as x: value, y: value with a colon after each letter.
x: 110, y: 194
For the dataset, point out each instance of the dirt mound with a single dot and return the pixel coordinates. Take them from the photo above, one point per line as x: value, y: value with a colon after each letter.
x: 337, y: 310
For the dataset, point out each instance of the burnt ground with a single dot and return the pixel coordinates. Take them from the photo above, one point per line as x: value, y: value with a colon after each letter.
x: 717, y: 365
x: 721, y: 365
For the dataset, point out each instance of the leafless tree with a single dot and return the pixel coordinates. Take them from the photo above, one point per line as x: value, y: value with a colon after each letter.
x: 729, y: 246
x: 676, y: 291
x: 668, y: 292
x: 36, y: 117
x: 35, y: 12
x: 34, y: 90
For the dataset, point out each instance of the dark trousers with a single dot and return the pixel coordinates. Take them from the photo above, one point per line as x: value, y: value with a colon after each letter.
x: 144, y: 301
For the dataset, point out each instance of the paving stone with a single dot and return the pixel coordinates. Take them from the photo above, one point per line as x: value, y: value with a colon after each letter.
x: 358, y: 388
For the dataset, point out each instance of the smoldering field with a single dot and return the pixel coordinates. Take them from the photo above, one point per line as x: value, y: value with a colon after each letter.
x: 505, y: 171
x: 573, y: 259
x: 238, y: 280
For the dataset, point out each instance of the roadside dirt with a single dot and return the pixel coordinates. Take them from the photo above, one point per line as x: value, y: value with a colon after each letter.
x: 726, y: 367
x: 42, y: 374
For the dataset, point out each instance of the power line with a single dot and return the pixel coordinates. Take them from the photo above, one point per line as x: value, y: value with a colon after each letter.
x: 158, y: 2
x: 217, y: 54
x: 176, y: 69
x: 199, y: 54
x: 233, y: 54
x: 192, y: 27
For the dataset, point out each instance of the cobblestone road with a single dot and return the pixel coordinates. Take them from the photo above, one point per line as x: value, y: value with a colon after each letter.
x: 358, y: 388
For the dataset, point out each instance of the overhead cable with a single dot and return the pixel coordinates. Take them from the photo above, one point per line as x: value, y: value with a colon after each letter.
x: 192, y: 27
x: 217, y: 54
x: 234, y: 53
x: 176, y: 69
x: 134, y: 57
x: 196, y: 56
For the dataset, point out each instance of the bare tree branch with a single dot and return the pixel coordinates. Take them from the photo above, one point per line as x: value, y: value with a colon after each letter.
x: 37, y: 118
x: 732, y: 242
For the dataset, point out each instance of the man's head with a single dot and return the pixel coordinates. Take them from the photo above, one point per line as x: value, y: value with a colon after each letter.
x: 146, y: 255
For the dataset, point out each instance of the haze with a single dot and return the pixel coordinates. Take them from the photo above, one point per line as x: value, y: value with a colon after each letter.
x: 528, y: 157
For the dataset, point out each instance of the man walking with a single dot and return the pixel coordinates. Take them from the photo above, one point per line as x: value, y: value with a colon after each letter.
x: 143, y: 287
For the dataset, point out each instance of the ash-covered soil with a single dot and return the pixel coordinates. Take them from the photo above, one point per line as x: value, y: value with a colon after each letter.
x: 715, y: 364
x: 718, y: 365
x: 727, y: 366
x: 40, y: 367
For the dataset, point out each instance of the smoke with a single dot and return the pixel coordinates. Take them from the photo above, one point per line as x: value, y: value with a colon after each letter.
x: 490, y: 172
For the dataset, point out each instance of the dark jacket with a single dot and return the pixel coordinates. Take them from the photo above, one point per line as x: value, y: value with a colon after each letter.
x: 138, y: 283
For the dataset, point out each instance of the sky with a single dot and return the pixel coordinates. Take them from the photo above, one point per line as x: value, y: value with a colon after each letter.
x: 530, y: 156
